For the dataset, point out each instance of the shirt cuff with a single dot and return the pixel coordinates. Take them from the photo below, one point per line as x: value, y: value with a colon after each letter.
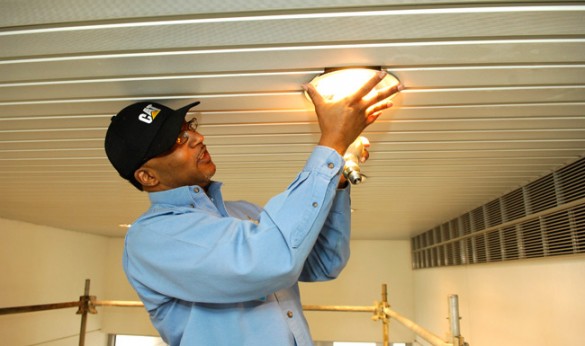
x: 326, y: 161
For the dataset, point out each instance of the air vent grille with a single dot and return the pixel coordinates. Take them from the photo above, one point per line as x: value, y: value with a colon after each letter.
x: 513, y: 205
x: 541, y: 194
x: 510, y: 241
x: 543, y: 218
x: 532, y: 240
x: 571, y: 189
x: 494, y: 246
x: 494, y: 213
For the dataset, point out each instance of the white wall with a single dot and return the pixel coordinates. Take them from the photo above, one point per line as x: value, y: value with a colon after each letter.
x: 538, y: 302
x: 42, y: 265
x: 371, y: 264
x: 533, y: 302
x: 133, y: 320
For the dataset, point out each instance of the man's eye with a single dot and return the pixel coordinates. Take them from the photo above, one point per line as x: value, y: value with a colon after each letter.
x: 183, y: 137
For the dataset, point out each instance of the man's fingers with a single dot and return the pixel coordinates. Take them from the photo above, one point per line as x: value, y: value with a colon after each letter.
x: 372, y: 118
x: 364, y: 156
x: 368, y: 86
x: 313, y: 94
x: 385, y: 93
x: 379, y: 107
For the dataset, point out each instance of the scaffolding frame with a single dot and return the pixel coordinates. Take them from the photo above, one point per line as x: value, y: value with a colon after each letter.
x: 381, y: 312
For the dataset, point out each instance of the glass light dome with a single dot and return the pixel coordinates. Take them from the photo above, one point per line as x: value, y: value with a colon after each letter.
x: 337, y: 84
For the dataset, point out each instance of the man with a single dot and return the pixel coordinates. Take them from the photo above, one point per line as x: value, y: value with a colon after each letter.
x: 216, y: 273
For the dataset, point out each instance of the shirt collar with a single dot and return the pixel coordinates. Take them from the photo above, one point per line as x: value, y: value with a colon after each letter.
x: 186, y: 195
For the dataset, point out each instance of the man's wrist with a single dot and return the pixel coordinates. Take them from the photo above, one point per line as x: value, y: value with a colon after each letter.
x: 342, y: 183
x: 335, y: 145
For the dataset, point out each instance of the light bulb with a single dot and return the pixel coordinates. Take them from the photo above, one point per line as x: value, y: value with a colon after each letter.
x: 337, y: 84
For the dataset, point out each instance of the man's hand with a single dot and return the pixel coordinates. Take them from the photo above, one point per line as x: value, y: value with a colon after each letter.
x: 342, y: 121
x: 365, y: 155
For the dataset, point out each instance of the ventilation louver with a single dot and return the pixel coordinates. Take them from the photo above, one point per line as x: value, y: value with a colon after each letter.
x: 543, y: 218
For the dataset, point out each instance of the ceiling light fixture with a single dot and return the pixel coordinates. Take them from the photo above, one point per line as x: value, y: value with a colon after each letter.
x: 337, y: 83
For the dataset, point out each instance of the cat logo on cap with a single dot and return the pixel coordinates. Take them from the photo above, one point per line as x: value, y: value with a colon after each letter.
x: 148, y: 114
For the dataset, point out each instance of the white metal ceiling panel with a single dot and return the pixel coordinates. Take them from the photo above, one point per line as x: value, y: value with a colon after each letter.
x: 495, y: 98
x: 419, y: 78
x: 450, y: 53
x: 301, y: 28
x: 38, y: 12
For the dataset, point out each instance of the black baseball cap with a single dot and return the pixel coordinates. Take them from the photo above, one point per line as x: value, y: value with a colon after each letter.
x: 140, y: 132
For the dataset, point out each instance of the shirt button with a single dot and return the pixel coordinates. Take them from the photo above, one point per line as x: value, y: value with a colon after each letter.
x: 196, y: 190
x: 315, y: 204
x: 331, y: 165
x: 289, y: 314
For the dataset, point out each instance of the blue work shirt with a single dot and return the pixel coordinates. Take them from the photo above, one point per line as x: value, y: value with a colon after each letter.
x: 212, y: 273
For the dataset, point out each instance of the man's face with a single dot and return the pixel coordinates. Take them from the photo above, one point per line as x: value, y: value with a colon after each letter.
x: 187, y: 163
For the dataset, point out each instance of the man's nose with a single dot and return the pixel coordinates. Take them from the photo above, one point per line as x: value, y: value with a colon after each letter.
x: 195, y: 138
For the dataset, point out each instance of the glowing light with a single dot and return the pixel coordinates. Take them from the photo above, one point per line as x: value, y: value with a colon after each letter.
x: 338, y: 84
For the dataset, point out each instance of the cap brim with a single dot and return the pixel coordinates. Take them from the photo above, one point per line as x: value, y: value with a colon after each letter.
x: 170, y: 129
x: 185, y: 110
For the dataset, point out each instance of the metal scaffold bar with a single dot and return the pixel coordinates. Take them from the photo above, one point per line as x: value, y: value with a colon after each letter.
x: 381, y: 310
x: 422, y: 332
x: 40, y: 307
x: 118, y: 303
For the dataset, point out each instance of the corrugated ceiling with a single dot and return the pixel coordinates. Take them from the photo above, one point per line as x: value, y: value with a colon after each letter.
x: 495, y: 98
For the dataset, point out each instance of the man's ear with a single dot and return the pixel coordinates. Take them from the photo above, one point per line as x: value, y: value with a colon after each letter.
x: 146, y: 177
